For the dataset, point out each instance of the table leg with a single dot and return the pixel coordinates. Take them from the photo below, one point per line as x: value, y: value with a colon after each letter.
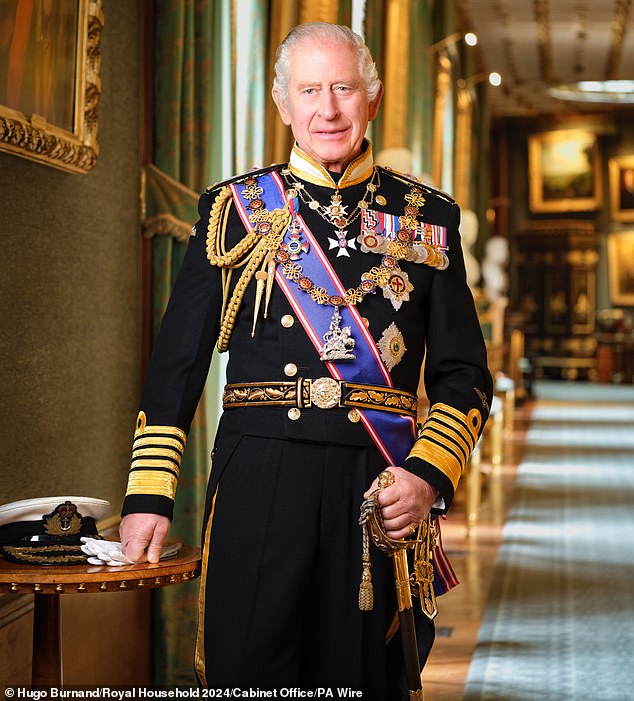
x: 47, y: 641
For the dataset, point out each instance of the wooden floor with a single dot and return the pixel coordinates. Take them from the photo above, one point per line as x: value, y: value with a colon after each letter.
x: 473, y: 558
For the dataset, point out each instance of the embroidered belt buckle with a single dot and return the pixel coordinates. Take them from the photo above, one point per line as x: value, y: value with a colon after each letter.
x: 325, y: 392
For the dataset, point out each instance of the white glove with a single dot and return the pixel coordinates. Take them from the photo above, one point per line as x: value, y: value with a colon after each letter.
x: 108, y: 552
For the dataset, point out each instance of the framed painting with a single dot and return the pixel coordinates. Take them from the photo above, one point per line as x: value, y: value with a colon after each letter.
x: 49, y: 81
x: 622, y: 188
x: 564, y: 171
x: 621, y: 264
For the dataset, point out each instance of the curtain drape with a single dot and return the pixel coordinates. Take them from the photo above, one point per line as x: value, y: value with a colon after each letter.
x: 184, y: 58
x: 210, y: 87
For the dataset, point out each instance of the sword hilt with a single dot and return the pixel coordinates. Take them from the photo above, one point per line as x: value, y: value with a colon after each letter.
x: 420, y: 581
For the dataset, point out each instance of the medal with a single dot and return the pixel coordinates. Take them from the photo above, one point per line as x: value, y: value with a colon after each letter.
x: 342, y: 243
x: 338, y: 342
x: 392, y: 346
x: 397, y: 288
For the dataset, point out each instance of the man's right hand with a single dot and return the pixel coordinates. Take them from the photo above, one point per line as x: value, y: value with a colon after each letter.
x: 142, y: 536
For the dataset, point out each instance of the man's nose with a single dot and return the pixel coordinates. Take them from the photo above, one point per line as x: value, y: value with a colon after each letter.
x: 328, y: 105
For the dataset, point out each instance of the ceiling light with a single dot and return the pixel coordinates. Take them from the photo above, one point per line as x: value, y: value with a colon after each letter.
x: 610, y: 91
x: 493, y: 78
x: 470, y: 39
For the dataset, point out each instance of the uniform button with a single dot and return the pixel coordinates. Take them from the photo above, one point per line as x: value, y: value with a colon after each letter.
x: 353, y: 416
x: 294, y: 414
x: 287, y: 321
x: 290, y: 369
x: 380, y: 200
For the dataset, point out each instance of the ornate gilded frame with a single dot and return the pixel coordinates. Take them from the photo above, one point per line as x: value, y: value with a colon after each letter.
x: 553, y: 190
x: 76, y: 150
x: 621, y: 265
x: 622, y: 188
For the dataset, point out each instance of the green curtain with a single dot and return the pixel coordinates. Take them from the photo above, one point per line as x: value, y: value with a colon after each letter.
x: 210, y: 67
x: 251, y: 40
x: 184, y: 57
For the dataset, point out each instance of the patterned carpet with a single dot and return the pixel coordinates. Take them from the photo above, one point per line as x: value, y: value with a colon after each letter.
x: 559, y: 624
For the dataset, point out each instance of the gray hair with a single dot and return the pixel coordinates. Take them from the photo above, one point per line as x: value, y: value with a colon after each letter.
x: 326, y: 32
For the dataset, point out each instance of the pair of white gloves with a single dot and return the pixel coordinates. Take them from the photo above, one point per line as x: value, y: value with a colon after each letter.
x: 108, y: 552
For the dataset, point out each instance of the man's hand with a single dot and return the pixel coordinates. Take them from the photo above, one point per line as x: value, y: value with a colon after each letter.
x: 142, y: 536
x: 405, y: 503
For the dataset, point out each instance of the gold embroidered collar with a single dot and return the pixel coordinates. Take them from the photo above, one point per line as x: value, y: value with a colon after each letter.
x: 304, y: 167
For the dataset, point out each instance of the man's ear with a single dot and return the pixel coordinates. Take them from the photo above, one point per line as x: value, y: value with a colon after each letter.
x: 281, y: 107
x: 373, y: 107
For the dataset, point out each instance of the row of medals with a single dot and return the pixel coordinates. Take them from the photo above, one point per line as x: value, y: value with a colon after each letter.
x: 338, y: 342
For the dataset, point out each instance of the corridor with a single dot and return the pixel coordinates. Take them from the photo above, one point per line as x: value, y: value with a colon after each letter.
x: 545, y: 606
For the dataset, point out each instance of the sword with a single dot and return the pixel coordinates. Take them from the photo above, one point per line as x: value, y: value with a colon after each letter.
x: 421, y: 581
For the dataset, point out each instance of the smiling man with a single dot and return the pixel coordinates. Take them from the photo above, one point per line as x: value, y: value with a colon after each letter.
x: 328, y: 279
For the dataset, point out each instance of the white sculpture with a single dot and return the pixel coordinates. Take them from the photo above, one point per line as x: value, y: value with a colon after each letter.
x: 468, y: 237
x: 494, y: 268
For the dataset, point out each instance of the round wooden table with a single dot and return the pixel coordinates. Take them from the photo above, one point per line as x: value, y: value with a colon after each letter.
x: 49, y: 582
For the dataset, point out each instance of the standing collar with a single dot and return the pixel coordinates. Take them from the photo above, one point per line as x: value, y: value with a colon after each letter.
x: 307, y: 168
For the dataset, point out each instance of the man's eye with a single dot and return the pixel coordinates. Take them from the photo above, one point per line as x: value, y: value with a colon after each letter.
x: 309, y: 91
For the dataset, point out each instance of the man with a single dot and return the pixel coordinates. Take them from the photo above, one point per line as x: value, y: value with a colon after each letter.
x: 328, y: 280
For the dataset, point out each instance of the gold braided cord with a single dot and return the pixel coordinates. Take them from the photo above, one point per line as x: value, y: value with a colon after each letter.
x: 280, y: 219
x: 229, y: 317
x: 214, y: 254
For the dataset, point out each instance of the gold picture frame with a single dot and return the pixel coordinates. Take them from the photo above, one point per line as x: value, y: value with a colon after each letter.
x: 564, y: 171
x: 50, y: 82
x: 621, y: 264
x: 622, y: 188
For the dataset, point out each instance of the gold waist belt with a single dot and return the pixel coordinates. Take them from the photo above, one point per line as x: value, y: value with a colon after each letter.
x: 324, y: 392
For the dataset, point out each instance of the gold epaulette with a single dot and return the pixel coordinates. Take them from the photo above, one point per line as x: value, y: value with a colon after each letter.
x: 243, y: 176
x: 447, y: 439
x: 412, y: 182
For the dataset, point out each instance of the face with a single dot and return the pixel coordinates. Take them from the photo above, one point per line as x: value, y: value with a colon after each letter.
x: 327, y: 107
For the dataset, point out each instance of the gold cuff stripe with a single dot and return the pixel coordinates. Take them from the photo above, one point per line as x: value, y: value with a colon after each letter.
x: 159, y: 440
x: 144, y: 430
x: 466, y: 426
x: 472, y: 421
x: 449, y: 433
x: 458, y: 428
x: 441, y: 458
x: 157, y: 453
x: 155, y: 464
x: 448, y: 442
x: 155, y: 483
x: 447, y: 439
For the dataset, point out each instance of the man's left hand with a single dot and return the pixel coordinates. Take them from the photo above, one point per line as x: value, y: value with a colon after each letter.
x: 405, y: 503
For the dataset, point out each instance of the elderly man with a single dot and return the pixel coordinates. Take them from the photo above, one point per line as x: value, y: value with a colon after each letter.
x: 328, y: 280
